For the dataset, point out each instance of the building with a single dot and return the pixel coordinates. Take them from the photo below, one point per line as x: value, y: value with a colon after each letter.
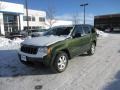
x: 107, y: 21
x: 13, y: 18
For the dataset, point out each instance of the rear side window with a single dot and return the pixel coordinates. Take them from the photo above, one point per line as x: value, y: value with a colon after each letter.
x: 86, y: 29
x: 93, y: 30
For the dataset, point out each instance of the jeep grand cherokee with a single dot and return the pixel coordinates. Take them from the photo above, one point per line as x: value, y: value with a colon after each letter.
x: 58, y: 45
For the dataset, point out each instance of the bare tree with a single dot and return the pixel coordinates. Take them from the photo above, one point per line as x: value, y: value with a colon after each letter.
x: 50, y: 14
x: 75, y: 18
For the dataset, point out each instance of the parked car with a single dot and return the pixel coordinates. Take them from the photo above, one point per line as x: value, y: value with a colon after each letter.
x: 116, y: 29
x: 24, y: 33
x: 16, y: 34
x: 58, y: 46
x: 37, y: 32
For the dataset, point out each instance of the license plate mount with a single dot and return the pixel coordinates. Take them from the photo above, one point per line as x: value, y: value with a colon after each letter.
x: 23, y: 58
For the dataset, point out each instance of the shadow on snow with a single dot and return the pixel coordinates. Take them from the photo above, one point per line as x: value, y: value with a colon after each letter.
x: 115, y: 85
x: 10, y: 66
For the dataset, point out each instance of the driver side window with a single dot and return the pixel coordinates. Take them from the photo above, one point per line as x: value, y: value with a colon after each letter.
x: 78, y: 30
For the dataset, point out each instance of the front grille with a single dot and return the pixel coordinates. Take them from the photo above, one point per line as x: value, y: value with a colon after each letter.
x: 29, y: 49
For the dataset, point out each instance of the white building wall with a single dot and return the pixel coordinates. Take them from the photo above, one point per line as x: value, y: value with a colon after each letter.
x: 11, y: 7
x: 2, y: 24
x: 21, y: 22
x: 36, y: 14
x: 18, y: 9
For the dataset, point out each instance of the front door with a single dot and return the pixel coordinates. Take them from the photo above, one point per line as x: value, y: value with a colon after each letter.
x: 76, y: 43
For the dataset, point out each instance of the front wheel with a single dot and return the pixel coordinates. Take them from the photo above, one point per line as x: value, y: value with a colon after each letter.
x: 92, y: 49
x: 60, y: 63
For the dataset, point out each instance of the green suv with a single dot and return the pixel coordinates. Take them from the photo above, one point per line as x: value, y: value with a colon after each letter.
x: 58, y: 45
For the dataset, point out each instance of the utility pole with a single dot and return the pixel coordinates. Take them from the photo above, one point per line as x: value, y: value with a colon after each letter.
x: 84, y: 5
x: 26, y: 5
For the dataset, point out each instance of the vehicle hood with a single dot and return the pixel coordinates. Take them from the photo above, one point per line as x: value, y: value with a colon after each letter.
x: 44, y: 40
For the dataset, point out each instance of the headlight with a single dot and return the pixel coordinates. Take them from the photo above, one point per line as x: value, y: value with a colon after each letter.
x: 43, y: 49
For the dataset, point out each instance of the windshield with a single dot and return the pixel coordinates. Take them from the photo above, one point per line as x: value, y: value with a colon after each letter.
x: 64, y: 31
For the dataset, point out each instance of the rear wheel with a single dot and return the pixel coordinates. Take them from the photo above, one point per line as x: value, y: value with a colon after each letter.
x: 92, y: 49
x: 60, y: 63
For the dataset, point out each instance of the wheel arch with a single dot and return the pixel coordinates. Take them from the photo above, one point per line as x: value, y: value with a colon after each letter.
x: 67, y: 52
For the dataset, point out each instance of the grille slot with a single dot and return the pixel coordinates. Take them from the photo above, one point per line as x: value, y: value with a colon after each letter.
x: 29, y: 49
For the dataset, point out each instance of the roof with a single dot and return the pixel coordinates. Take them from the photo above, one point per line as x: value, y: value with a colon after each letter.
x: 108, y: 15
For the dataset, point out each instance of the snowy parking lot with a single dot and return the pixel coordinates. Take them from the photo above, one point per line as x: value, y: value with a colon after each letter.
x: 98, y: 72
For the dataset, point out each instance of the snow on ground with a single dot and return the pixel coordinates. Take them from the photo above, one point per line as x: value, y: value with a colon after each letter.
x: 7, y: 42
x: 101, y: 33
x: 98, y: 72
x: 17, y: 41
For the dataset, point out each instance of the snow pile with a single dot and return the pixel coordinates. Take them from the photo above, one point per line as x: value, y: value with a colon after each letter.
x: 17, y: 41
x: 8, y: 42
x: 4, y: 41
x: 101, y: 33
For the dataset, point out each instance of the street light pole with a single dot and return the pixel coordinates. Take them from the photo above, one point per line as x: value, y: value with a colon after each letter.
x: 84, y: 5
x: 26, y: 5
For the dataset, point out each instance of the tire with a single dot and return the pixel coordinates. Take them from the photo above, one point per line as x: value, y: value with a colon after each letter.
x: 92, y: 49
x: 60, y: 63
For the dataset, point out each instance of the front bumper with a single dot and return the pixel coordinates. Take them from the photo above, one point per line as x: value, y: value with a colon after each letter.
x: 33, y: 59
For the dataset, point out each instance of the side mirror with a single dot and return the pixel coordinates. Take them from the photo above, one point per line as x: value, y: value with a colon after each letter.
x: 77, y: 35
